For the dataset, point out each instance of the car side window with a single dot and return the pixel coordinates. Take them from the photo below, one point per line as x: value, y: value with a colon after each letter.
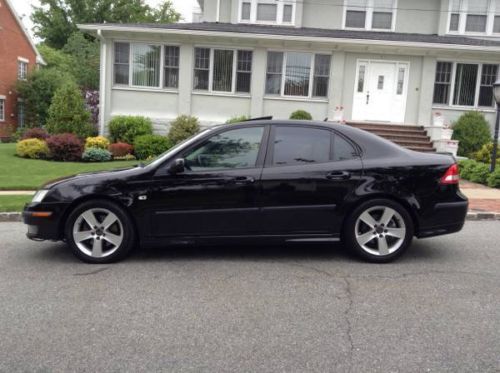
x: 301, y: 145
x: 342, y: 149
x: 238, y: 148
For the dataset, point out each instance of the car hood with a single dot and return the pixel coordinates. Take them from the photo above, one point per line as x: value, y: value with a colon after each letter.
x: 95, y: 177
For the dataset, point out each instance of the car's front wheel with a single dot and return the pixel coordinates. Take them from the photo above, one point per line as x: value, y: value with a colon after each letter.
x: 99, y: 232
x: 379, y: 230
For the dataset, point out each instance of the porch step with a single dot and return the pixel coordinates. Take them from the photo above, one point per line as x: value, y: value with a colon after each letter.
x: 409, y: 136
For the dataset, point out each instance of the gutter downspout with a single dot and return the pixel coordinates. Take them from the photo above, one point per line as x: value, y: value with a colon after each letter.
x: 102, y: 84
x: 217, y: 16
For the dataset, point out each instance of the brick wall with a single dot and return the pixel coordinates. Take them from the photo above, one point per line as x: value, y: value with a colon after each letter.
x: 13, y: 44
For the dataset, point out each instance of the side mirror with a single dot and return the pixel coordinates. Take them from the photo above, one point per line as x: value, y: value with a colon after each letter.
x: 177, y: 166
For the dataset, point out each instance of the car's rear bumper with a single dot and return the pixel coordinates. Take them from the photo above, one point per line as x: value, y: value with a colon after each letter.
x: 447, y: 217
x: 44, y: 220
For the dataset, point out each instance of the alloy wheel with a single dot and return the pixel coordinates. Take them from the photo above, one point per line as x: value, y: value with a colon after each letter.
x: 98, y: 232
x: 380, y: 230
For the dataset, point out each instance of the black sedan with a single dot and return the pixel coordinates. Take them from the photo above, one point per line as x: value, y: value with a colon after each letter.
x: 260, y: 181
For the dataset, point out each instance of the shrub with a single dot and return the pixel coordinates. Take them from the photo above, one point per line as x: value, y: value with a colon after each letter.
x: 237, y: 119
x: 494, y: 178
x: 65, y: 147
x: 35, y: 133
x: 466, y: 167
x: 479, y: 173
x: 96, y: 155
x: 484, y: 154
x: 183, y: 127
x: 473, y: 131
x: 128, y: 157
x: 125, y: 128
x: 121, y: 149
x: 32, y: 148
x: 147, y: 146
x: 67, y: 113
x: 97, y: 142
x: 301, y: 114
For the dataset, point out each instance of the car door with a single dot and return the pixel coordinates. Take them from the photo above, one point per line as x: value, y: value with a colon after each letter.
x: 217, y: 192
x: 309, y: 173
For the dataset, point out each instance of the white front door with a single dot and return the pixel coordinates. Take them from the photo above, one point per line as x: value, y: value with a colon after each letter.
x: 380, y: 91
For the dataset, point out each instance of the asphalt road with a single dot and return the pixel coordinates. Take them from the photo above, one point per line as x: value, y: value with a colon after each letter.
x: 248, y: 309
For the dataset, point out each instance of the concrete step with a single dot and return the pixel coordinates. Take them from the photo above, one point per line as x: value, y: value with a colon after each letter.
x: 395, y: 138
x: 420, y: 149
x: 386, y: 126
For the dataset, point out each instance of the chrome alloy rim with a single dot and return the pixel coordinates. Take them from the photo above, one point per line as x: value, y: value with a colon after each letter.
x: 98, y: 232
x: 380, y: 230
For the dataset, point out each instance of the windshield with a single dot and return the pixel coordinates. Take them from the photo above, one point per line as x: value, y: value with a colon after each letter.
x: 162, y: 157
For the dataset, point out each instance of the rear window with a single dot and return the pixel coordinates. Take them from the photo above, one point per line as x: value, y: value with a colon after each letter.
x: 299, y: 145
x: 342, y: 149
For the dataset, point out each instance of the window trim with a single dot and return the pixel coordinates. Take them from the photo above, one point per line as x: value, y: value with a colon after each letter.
x: 453, y: 82
x: 311, y: 75
x: 462, y: 20
x: 369, y: 10
x: 162, y: 66
x: 280, y: 8
x: 210, y: 89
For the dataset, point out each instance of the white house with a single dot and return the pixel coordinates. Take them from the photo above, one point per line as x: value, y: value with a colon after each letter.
x: 382, y: 61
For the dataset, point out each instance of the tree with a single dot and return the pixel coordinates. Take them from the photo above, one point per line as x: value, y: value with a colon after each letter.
x: 67, y: 113
x: 85, y: 57
x: 56, y: 20
x: 37, y: 92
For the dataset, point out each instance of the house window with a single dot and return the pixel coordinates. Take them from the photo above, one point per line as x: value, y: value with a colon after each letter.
x: 361, y: 78
x: 21, y: 116
x: 141, y: 65
x: 474, y: 16
x: 369, y: 14
x: 2, y: 109
x: 222, y: 70
x: 291, y: 74
x: 442, y: 83
x: 22, y: 69
x: 267, y: 11
x: 467, y: 84
x: 171, y: 75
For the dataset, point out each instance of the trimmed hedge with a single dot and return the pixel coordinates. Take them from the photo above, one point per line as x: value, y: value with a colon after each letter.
x: 35, y: 133
x: 479, y: 173
x: 484, y: 154
x: 65, y: 147
x: 32, y: 148
x: 125, y: 128
x: 473, y: 131
x: 148, y: 146
x: 121, y: 149
x: 494, y: 179
x: 182, y: 128
x: 96, y: 155
x: 97, y: 142
x: 301, y: 115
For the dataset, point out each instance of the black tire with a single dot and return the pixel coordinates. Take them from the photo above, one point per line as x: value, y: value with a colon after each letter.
x: 125, y: 230
x: 401, y: 244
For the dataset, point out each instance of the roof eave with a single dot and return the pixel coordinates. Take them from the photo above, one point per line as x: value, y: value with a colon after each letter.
x: 143, y: 29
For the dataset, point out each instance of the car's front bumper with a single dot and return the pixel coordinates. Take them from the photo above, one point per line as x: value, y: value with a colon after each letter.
x: 44, y: 220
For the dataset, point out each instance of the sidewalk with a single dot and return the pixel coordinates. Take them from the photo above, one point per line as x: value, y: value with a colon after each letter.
x: 481, y: 197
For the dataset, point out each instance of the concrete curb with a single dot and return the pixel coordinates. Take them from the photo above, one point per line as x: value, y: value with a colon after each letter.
x: 472, y: 216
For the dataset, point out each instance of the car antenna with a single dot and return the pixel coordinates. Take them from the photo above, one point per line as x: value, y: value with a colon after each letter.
x: 260, y: 118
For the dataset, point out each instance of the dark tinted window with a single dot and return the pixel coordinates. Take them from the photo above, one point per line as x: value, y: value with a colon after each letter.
x: 237, y: 148
x: 300, y: 145
x: 342, y: 150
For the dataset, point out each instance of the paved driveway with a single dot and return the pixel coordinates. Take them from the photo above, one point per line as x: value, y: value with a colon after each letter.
x: 269, y: 309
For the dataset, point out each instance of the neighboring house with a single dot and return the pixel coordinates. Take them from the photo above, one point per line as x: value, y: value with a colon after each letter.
x: 18, y: 56
x: 383, y: 61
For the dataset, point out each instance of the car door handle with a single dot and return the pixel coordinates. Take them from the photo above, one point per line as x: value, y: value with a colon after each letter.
x: 338, y: 175
x: 244, y: 180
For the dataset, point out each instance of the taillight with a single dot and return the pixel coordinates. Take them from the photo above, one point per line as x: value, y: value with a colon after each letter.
x: 451, y: 176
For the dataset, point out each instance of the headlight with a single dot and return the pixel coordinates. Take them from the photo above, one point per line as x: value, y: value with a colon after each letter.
x: 39, y: 196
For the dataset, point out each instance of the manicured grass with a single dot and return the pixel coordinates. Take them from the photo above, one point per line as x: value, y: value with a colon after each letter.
x: 13, y: 203
x: 28, y: 174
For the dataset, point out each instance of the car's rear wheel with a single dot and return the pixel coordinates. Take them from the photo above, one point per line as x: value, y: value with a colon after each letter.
x: 100, y: 232
x: 379, y: 230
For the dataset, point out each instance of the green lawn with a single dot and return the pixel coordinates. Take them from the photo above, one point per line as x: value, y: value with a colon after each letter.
x: 28, y: 174
x: 13, y: 203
